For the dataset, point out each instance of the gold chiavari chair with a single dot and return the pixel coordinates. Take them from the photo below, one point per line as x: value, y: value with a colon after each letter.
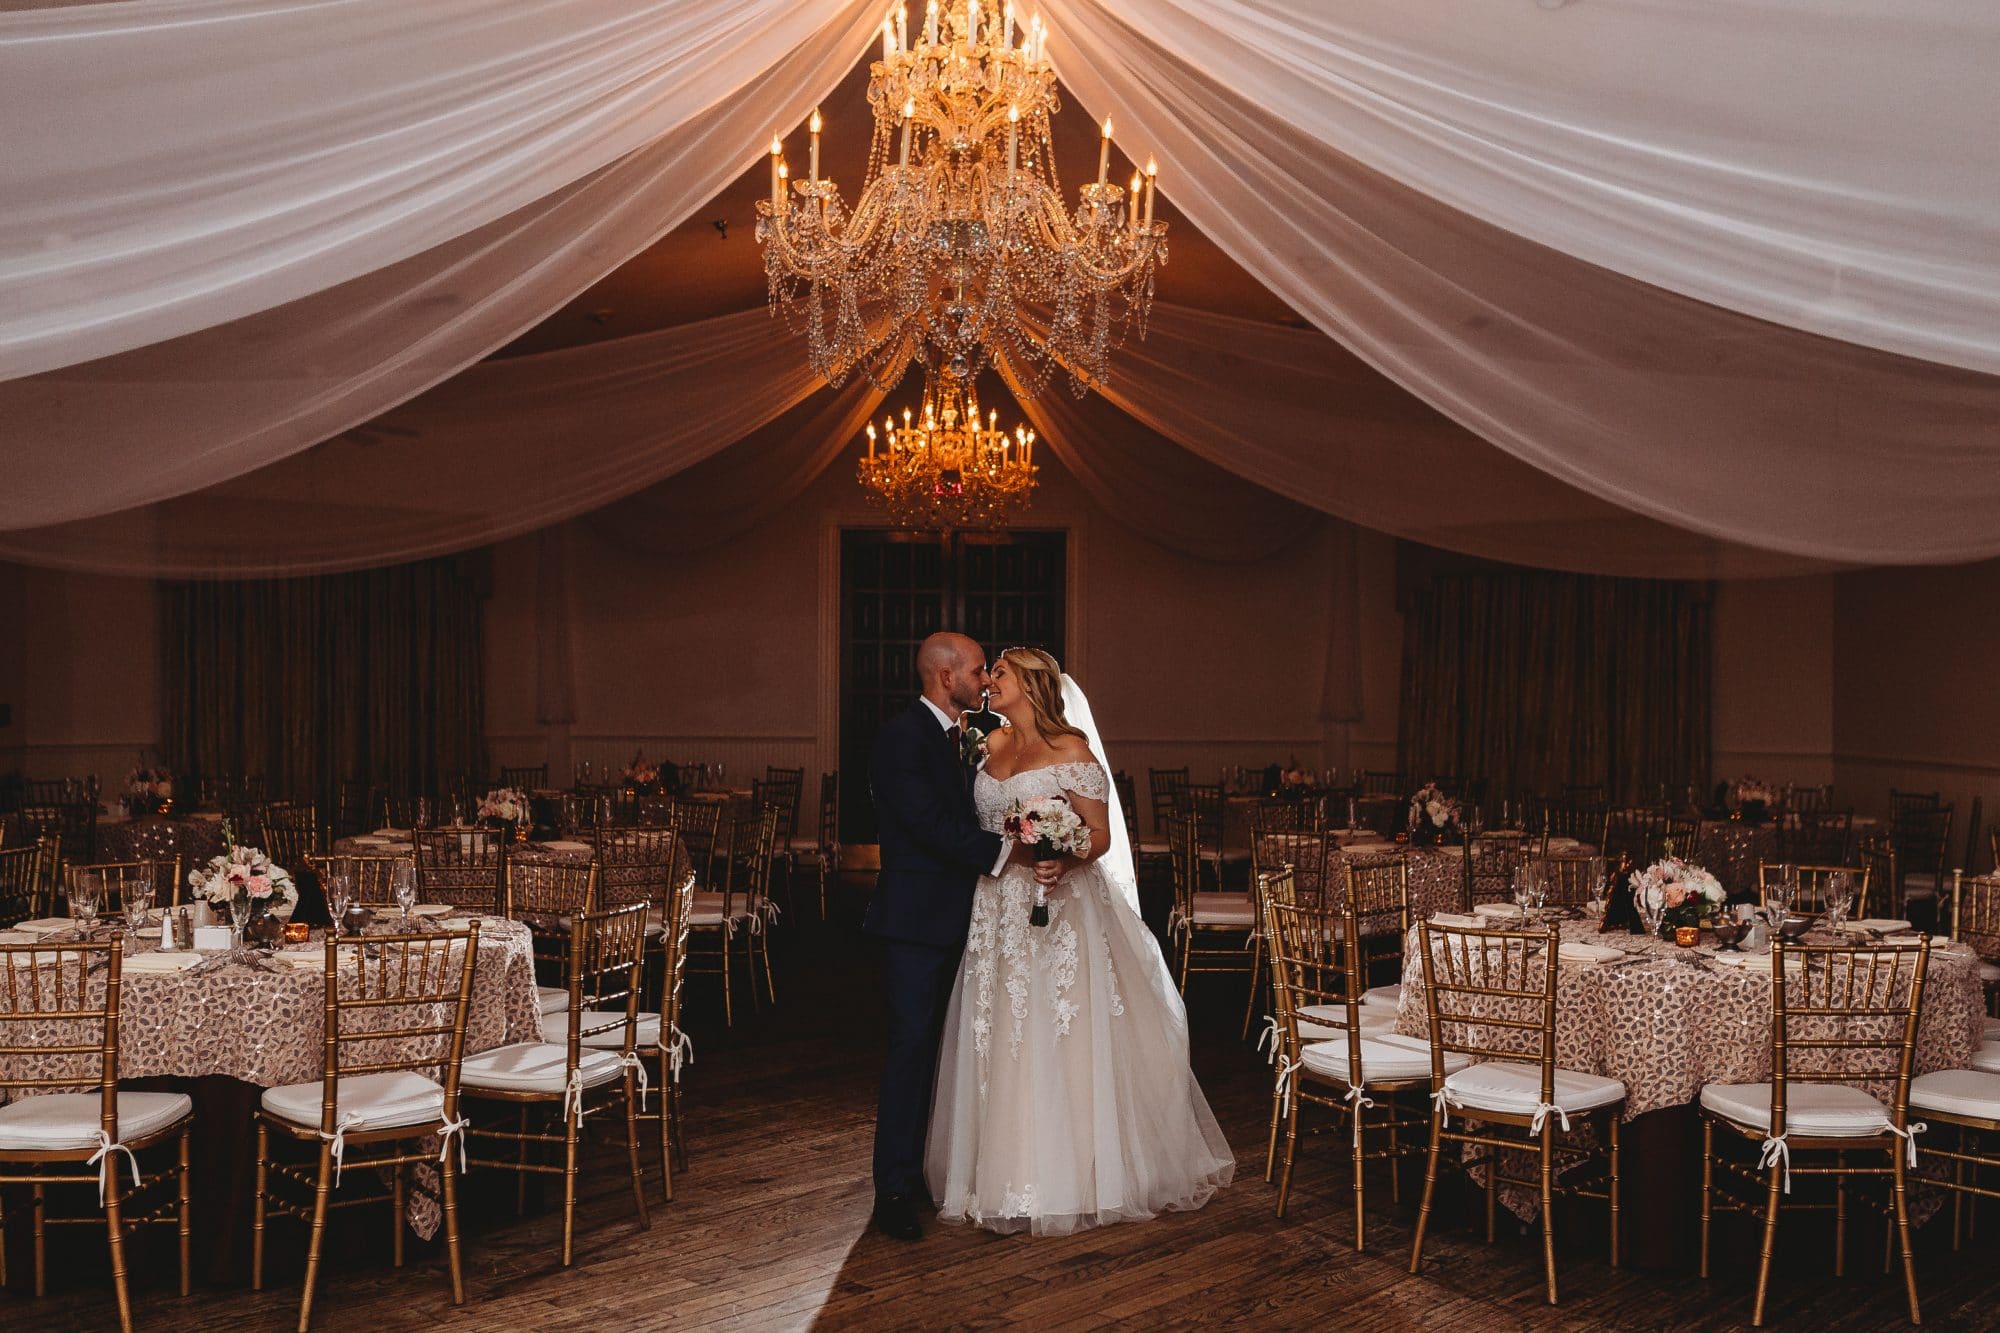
x: 27, y: 881
x: 1809, y: 895
x: 465, y: 867
x: 781, y: 799
x: 1332, y: 1054
x: 1583, y: 821
x: 1993, y: 844
x: 1382, y: 886
x: 821, y: 850
x: 1817, y: 837
x: 1843, y: 1033
x: 1205, y: 804
x: 699, y: 824
x: 717, y: 919
x: 1884, y: 875
x: 53, y: 1134
x: 355, y: 803
x: 1631, y: 833
x: 1922, y: 842
x: 408, y: 812
x: 524, y: 777
x: 1491, y: 996
x: 1382, y: 782
x: 1676, y: 839
x: 373, y: 877
x: 1307, y: 858
x: 1489, y: 868
x: 394, y: 1048
x: 1212, y: 932
x: 1567, y: 880
x: 113, y: 878
x: 290, y: 831
x: 547, y: 899
x: 1975, y: 921
x: 586, y: 1049
x: 70, y: 826
x: 1163, y: 788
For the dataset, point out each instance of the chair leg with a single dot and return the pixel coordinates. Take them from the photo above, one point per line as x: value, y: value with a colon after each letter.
x: 763, y: 943
x: 41, y: 1209
x: 1492, y: 1193
x: 1899, y: 1187
x: 1187, y: 951
x: 257, y: 1224
x: 322, y: 1187
x: 666, y: 1132
x: 632, y: 1149
x: 1548, y: 1205
x: 399, y: 1184
x: 1271, y: 1149
x: 1707, y: 1188
x: 114, y: 1229
x: 1617, y: 1225
x: 448, y: 1184
x: 1430, y: 1188
x: 1957, y: 1206
x: 182, y: 1203
x: 1771, y: 1191
x: 1291, y: 1153
x: 1360, y: 1224
x: 1256, y: 975
x: 1840, y: 1214
x: 521, y: 1159
x: 728, y: 1020
x: 1395, y: 1158
x: 569, y: 1186
x: 680, y: 1133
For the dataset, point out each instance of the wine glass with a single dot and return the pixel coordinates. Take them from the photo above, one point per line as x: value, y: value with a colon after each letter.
x: 85, y: 893
x: 403, y: 883
x: 1599, y: 887
x: 1524, y: 890
x: 1839, y: 897
x: 1651, y: 909
x: 339, y: 897
x: 239, y: 914
x: 138, y: 900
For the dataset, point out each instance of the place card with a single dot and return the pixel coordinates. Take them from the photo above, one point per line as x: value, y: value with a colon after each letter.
x: 214, y: 939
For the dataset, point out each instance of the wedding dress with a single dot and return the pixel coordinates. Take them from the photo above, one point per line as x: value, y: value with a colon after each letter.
x: 1064, y: 1097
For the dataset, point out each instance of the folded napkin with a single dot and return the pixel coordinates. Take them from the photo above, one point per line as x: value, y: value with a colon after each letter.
x: 400, y: 834
x: 567, y: 846
x: 1906, y: 937
x: 1881, y: 925
x: 18, y: 937
x: 456, y: 923
x: 1453, y: 919
x: 161, y: 962
x: 432, y: 909
x: 1576, y: 951
x: 46, y: 925
x: 1501, y: 910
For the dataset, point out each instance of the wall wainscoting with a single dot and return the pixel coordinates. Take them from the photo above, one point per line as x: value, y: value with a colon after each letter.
x: 1864, y: 780
x: 109, y: 761
x: 607, y: 753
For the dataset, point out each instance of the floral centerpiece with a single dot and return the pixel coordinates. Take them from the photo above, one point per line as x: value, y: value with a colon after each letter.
x: 508, y: 808
x: 1751, y: 800
x: 1053, y: 828
x: 148, y: 791
x: 245, y: 877
x: 1434, y: 817
x: 1682, y: 894
x: 641, y: 775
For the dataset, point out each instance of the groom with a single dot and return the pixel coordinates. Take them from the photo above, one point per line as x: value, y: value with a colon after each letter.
x: 933, y: 853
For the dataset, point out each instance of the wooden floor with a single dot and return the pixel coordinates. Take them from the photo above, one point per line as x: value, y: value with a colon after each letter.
x: 769, y: 1230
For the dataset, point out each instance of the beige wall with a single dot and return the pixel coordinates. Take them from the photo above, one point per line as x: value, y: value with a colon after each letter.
x: 1773, y: 684
x: 83, y: 680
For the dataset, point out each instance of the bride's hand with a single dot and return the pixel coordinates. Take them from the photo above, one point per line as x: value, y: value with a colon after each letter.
x: 1048, y: 872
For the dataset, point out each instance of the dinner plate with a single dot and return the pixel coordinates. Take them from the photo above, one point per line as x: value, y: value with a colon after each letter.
x: 148, y: 932
x: 1907, y: 937
x: 567, y: 846
x: 1454, y: 919
x: 1505, y: 911
x: 370, y: 841
x: 454, y: 923
x: 432, y: 909
x: 18, y: 937
x: 1578, y: 951
x: 47, y: 925
x: 394, y: 834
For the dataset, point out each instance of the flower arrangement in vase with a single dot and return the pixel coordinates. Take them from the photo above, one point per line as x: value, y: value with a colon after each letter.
x: 641, y: 776
x: 1750, y: 800
x: 244, y: 882
x: 1677, y: 893
x: 149, y: 790
x: 1434, y: 818
x: 508, y: 809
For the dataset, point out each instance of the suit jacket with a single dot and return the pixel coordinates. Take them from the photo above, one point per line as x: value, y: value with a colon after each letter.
x: 933, y: 850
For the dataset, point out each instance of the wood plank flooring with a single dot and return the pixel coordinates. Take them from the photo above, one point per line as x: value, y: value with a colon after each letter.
x: 769, y: 1229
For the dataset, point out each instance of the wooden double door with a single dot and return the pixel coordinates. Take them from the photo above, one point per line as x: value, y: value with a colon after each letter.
x: 1004, y: 589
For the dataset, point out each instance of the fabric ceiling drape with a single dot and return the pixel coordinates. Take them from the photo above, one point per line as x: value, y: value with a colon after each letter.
x: 1534, y: 679
x: 306, y: 681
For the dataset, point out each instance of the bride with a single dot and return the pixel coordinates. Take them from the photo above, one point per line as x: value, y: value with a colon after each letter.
x: 1064, y: 1097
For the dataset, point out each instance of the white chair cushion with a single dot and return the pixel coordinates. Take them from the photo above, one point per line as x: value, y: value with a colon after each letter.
x: 1991, y: 1030
x: 1155, y: 847
x: 1989, y: 973
x: 1516, y: 1088
x: 1987, y: 1057
x: 707, y: 909
x: 803, y: 842
x: 380, y: 1101
x: 66, y: 1121
x: 1224, y: 909
x: 552, y: 999
x: 1965, y: 1092
x: 601, y: 1028
x: 1821, y: 1110
x: 1390, y: 996
x: 532, y: 1066
x: 1920, y: 884
x: 1385, y: 1058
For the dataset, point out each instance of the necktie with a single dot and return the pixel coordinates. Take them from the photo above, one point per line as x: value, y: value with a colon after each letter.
x: 952, y: 734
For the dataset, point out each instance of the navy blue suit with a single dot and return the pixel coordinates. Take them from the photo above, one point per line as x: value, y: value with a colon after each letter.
x: 933, y: 853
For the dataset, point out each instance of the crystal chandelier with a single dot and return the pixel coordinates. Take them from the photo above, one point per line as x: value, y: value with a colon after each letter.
x: 958, y: 248
x: 941, y: 469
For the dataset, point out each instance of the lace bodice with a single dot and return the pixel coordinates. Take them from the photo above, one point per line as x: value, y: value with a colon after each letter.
x: 993, y: 795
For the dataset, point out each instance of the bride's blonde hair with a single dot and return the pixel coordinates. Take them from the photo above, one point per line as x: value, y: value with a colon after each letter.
x: 1041, y: 681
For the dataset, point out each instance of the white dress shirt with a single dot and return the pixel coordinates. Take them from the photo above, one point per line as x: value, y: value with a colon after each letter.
x: 945, y: 723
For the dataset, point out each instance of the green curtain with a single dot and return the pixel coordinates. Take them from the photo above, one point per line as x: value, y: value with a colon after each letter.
x: 374, y: 675
x: 1532, y: 679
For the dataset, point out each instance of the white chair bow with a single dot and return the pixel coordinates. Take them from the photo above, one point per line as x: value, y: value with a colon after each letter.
x: 680, y: 1048
x: 1269, y: 1034
x: 1441, y: 1103
x: 573, y: 1097
x: 449, y: 1130
x: 1909, y: 1138
x: 1776, y: 1151
x: 1357, y: 1098
x: 630, y: 1060
x: 1541, y: 1116
x: 101, y: 1159
x: 339, y: 1141
x: 1286, y: 1069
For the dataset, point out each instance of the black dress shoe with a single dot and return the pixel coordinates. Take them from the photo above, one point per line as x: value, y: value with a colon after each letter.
x: 896, y: 1217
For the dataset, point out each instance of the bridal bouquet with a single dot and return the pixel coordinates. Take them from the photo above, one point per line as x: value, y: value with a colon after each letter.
x: 1682, y: 894
x: 1050, y: 826
x: 1434, y: 816
x: 507, y: 804
x: 246, y: 875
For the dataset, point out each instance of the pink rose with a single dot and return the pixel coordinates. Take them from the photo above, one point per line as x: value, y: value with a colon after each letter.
x: 259, y: 886
x: 1676, y: 895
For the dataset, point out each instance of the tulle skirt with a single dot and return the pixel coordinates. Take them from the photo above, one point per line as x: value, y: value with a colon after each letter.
x: 1064, y: 1096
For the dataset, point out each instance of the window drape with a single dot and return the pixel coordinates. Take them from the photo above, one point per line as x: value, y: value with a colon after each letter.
x: 1532, y: 679
x: 306, y: 681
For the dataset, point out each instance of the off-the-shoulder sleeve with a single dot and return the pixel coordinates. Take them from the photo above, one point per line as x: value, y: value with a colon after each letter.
x: 1086, y: 780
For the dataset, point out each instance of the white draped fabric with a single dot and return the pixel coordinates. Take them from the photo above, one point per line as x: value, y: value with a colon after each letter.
x: 183, y: 163
x: 1727, y: 269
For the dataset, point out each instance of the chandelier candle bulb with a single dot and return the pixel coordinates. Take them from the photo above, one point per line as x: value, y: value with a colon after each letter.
x: 888, y: 39
x: 1007, y: 28
x: 1152, y: 175
x: 902, y: 28
x: 1104, y: 153
x: 930, y: 23
x: 1013, y: 139
x: 813, y: 173
x: 909, y: 110
x: 971, y: 24
x: 1132, y: 207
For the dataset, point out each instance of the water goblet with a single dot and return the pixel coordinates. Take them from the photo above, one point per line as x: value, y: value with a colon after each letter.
x: 85, y: 893
x: 1651, y: 910
x: 1599, y: 887
x: 1839, y: 897
x: 403, y: 883
x: 239, y: 915
x: 1524, y: 891
x: 138, y: 900
x: 339, y: 897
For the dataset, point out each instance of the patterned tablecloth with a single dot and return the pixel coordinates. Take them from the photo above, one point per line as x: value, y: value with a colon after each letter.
x: 619, y: 886
x: 194, y: 838
x: 1666, y: 1026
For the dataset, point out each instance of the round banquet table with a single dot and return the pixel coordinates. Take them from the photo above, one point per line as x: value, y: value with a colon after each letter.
x: 619, y: 885
x: 193, y: 838
x: 1666, y: 1026
x: 223, y: 1036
